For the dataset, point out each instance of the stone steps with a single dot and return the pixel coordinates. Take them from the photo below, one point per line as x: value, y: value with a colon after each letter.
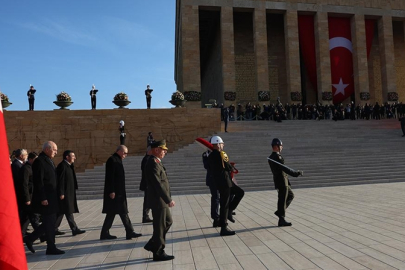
x: 330, y: 154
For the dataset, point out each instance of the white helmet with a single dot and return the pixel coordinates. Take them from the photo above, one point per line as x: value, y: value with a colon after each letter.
x: 122, y: 123
x: 216, y: 140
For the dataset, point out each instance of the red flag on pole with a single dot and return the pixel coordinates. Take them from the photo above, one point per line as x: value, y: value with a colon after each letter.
x: 12, y: 253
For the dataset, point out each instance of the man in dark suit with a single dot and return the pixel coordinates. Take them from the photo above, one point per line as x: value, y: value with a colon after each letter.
x: 45, y: 198
x: 67, y: 185
x: 24, y: 189
x: 281, y: 182
x: 148, y: 94
x: 144, y: 186
x: 93, y: 96
x: 159, y: 200
x: 18, y: 162
x: 221, y: 172
x: 115, y: 195
x: 31, y: 97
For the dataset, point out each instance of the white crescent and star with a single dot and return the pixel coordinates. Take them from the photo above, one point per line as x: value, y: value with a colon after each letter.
x: 337, y: 42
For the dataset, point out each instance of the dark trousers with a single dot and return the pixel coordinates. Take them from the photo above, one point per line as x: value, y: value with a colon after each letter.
x: 48, y: 228
x: 162, y: 221
x: 145, y: 210
x: 285, y: 197
x: 214, y: 202
x: 31, y: 104
x: 93, y: 102
x: 226, y: 125
x: 148, y: 101
x: 122, y: 140
x: 70, y: 219
x: 403, y: 125
x: 236, y: 194
x: 109, y: 219
x: 224, y: 194
x: 27, y: 217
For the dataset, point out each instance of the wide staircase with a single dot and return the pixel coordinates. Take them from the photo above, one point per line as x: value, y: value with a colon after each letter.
x: 330, y: 153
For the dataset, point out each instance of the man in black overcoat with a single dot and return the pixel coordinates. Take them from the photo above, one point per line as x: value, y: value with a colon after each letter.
x: 281, y: 182
x: 67, y: 186
x: 144, y: 185
x: 24, y: 190
x: 115, y: 195
x: 159, y: 200
x: 45, y: 198
x: 18, y: 162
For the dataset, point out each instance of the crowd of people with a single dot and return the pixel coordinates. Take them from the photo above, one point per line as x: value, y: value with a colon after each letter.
x: 279, y: 112
x: 46, y: 193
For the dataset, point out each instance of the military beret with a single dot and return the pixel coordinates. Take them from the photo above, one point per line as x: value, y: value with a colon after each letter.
x: 159, y: 144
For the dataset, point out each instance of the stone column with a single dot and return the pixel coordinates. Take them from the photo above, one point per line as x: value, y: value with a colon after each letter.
x: 292, y: 53
x: 324, y: 79
x: 261, y: 54
x: 191, y: 52
x: 228, y: 50
x: 387, y: 56
x: 360, y: 63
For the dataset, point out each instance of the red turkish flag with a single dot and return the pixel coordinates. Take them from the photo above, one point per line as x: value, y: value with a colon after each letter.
x: 341, y: 58
x: 12, y: 254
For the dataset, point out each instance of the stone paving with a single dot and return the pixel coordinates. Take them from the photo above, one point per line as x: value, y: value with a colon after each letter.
x: 345, y: 227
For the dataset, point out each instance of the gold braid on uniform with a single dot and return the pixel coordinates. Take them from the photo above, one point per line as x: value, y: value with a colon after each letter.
x: 224, y: 158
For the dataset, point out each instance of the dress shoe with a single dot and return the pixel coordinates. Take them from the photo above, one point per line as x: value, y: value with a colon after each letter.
x: 54, y: 251
x: 42, y: 238
x: 107, y: 237
x: 28, y: 243
x: 57, y: 232
x: 147, y: 220
x: 148, y: 247
x: 78, y: 231
x: 230, y: 218
x: 162, y: 257
x: 283, y: 223
x: 133, y: 235
x: 225, y: 232
x: 215, y: 223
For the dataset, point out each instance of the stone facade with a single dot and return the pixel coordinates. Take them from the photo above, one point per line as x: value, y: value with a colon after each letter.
x: 93, y: 134
x: 242, y: 41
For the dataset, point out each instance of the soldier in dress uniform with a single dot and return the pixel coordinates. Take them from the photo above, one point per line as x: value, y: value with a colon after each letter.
x: 281, y: 182
x: 93, y: 93
x: 159, y: 200
x: 221, y: 171
x: 123, y: 135
x: 31, y: 97
x: 148, y: 94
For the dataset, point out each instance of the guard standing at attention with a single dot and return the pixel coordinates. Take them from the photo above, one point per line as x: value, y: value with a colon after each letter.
x: 281, y: 182
x: 31, y: 97
x: 93, y: 96
x: 159, y: 200
x: 221, y: 171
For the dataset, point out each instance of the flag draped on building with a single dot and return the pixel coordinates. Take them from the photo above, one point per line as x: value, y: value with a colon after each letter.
x: 340, y: 49
x: 12, y: 253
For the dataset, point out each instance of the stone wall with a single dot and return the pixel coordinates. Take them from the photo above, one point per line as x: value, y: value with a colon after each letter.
x: 93, y: 134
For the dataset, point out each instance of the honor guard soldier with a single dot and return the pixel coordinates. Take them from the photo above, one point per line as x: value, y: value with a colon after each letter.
x: 148, y: 94
x: 123, y: 135
x: 221, y: 172
x: 281, y: 182
x: 31, y: 97
x: 93, y: 93
x: 159, y: 200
